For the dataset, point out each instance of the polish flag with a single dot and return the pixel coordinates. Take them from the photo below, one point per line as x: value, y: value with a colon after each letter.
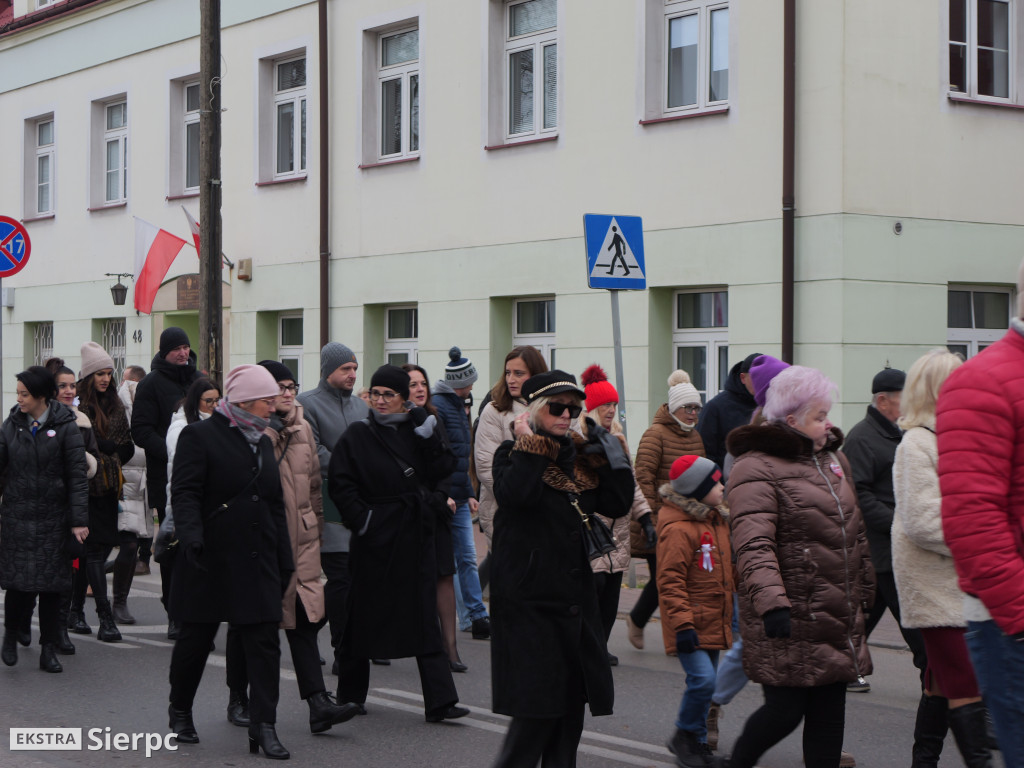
x: 155, y: 250
x: 194, y: 226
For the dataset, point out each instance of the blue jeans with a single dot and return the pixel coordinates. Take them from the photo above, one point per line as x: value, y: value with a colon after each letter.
x: 999, y: 665
x: 700, y: 669
x: 731, y: 677
x: 468, y: 595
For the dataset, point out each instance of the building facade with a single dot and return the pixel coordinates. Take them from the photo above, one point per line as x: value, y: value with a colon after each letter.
x: 467, y: 140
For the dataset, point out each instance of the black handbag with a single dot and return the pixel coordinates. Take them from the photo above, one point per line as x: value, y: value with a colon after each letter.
x: 597, y: 537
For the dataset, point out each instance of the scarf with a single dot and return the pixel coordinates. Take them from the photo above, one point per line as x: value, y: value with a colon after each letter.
x: 390, y: 419
x: 250, y: 425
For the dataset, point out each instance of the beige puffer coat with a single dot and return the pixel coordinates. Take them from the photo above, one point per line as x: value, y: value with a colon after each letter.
x: 493, y: 429
x: 800, y: 543
x: 300, y: 484
x: 921, y: 561
x: 134, y: 515
x: 662, y: 443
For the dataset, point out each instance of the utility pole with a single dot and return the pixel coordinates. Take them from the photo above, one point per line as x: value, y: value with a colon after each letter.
x: 211, y: 300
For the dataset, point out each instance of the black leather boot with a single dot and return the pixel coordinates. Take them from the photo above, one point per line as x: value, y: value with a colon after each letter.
x: 48, y: 658
x: 238, y: 709
x: 929, y: 731
x: 124, y: 572
x: 264, y: 736
x: 971, y: 734
x: 9, y: 653
x: 25, y: 630
x: 181, y: 725
x: 64, y: 644
x: 76, y: 610
x: 324, y: 712
x: 108, y: 632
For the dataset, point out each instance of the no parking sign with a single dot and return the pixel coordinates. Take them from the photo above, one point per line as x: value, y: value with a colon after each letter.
x: 15, y: 246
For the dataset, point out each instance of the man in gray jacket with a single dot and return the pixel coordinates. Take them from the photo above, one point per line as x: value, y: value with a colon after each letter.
x: 330, y: 409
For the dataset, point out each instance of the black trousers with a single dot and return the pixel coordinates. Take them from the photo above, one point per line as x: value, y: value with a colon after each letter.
x: 553, y: 742
x: 647, y: 603
x: 18, y: 607
x: 823, y: 710
x: 339, y: 582
x: 435, y: 680
x: 127, y: 548
x: 886, y: 596
x: 609, y: 588
x: 261, y: 650
x: 305, y: 655
x: 90, y: 573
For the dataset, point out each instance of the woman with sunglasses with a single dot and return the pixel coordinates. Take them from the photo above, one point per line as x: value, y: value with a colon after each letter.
x: 672, y: 434
x: 548, y: 649
x: 385, y: 475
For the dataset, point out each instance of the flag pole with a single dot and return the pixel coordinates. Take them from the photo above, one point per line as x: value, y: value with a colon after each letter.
x: 210, y: 294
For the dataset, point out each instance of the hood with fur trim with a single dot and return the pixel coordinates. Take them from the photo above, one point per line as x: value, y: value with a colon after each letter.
x: 695, y: 509
x: 779, y: 440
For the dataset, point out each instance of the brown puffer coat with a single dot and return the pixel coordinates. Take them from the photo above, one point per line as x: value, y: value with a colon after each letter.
x: 691, y: 596
x: 303, y: 503
x: 800, y: 544
x: 662, y: 443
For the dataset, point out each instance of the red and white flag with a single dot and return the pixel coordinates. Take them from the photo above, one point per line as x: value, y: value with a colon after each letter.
x: 194, y: 226
x: 155, y: 250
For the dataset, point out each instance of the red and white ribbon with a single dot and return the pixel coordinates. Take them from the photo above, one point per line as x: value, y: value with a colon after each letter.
x: 706, y: 545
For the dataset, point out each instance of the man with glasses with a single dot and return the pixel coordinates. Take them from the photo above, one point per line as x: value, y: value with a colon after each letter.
x: 330, y: 409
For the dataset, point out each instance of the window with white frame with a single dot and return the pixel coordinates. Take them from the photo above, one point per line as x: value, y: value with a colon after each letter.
x: 191, y: 106
x: 42, y: 342
x: 115, y: 152
x: 290, y: 117
x: 44, y: 3
x: 289, y: 344
x: 43, y: 157
x: 982, y: 48
x: 696, y: 69
x: 398, y: 94
x: 535, y: 325
x: 531, y: 68
x: 401, y: 343
x: 700, y: 338
x: 113, y: 340
x: 977, y: 316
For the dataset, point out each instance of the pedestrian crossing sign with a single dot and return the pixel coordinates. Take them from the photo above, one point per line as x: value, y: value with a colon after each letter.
x: 615, y: 252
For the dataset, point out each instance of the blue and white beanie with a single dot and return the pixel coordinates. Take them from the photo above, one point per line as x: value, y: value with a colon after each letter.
x: 460, y: 371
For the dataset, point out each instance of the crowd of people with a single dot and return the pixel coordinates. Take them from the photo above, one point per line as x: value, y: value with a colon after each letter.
x: 774, y: 542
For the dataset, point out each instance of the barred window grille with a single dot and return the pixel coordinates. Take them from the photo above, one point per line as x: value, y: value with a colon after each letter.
x: 113, y: 341
x: 42, y: 343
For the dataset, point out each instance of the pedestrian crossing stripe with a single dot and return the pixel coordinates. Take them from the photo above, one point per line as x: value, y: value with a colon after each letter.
x: 615, y: 256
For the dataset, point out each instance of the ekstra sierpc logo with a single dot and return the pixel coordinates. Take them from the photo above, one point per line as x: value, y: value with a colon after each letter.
x: 94, y: 740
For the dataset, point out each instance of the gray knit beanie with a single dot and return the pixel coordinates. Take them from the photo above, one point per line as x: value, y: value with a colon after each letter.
x: 333, y: 356
x: 460, y: 371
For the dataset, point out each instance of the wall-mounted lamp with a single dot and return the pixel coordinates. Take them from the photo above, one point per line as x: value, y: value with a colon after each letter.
x: 119, y: 291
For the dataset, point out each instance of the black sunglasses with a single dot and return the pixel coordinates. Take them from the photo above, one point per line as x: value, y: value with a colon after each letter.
x: 557, y: 409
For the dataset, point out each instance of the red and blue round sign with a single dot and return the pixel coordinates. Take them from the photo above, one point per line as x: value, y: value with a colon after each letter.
x: 15, y: 246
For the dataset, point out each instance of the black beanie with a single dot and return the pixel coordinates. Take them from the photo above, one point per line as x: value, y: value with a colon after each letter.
x: 172, y: 338
x: 279, y: 371
x: 38, y: 381
x: 392, y: 377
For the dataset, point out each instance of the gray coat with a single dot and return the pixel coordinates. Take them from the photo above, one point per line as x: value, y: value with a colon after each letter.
x: 329, y: 412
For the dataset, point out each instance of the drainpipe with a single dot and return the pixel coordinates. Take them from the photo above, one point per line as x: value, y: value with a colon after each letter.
x: 325, y: 187
x: 788, y: 165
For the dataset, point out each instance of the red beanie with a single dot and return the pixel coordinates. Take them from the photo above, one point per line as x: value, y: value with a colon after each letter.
x: 599, y: 390
x: 694, y: 476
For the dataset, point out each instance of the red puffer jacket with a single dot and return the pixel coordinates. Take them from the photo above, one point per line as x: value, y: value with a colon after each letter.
x: 980, y: 427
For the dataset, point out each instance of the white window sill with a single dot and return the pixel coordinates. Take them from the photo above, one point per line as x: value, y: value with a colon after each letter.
x: 108, y: 207
x: 182, y: 196
x: 289, y: 180
x: 39, y: 217
x: 687, y: 115
x: 396, y: 161
x: 983, y: 102
x: 524, y: 142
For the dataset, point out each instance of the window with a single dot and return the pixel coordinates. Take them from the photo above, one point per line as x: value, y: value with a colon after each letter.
x: 531, y: 68
x: 290, y: 117
x: 115, y: 152
x: 44, y: 3
x: 39, y: 168
x: 398, y: 94
x: 700, y: 339
x: 401, y: 342
x: 113, y: 340
x: 191, y: 120
x: 289, y: 344
x: 981, y: 48
x: 977, y: 317
x: 42, y: 342
x: 535, y: 325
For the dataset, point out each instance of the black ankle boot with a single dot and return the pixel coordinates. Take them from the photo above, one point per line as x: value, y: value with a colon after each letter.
x: 64, y: 644
x: 108, y: 632
x: 323, y: 712
x: 76, y: 623
x: 971, y: 734
x: 238, y: 709
x: 929, y: 731
x: 48, y: 658
x: 9, y: 653
x: 180, y: 723
x: 263, y: 735
x: 124, y: 572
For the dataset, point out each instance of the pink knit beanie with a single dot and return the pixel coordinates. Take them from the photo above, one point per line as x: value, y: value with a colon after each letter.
x: 249, y: 382
x: 94, y: 358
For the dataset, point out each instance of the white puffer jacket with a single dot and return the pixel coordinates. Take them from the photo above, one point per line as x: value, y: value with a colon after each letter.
x: 134, y: 513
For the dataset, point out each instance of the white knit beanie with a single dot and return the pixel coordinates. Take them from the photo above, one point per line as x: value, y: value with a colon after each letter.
x: 681, y: 392
x: 94, y: 358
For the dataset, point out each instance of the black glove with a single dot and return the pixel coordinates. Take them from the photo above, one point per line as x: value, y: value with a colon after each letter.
x: 108, y: 447
x: 776, y: 623
x: 418, y: 414
x: 193, y: 552
x: 613, y: 450
x: 647, y: 523
x: 687, y: 641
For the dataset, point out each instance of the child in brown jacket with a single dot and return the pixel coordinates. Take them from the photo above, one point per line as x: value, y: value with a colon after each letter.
x: 695, y: 588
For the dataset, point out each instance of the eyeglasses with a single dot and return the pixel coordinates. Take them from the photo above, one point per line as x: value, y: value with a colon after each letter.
x: 387, y: 397
x: 557, y: 409
x: 692, y: 409
x: 269, y: 400
x: 209, y: 400
x: 285, y: 388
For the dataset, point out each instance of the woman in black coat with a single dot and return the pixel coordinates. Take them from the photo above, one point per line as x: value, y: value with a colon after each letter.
x: 229, y: 518
x: 548, y: 650
x: 98, y: 401
x: 384, y: 476
x: 45, y: 505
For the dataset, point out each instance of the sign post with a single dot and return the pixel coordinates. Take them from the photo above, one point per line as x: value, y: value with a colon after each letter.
x: 615, y: 261
x: 15, y: 248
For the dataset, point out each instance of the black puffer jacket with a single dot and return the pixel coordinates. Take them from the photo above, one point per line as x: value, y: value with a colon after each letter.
x: 730, y: 408
x: 45, y: 494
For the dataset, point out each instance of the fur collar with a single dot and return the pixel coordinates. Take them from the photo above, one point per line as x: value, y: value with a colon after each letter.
x: 695, y: 509
x: 777, y: 439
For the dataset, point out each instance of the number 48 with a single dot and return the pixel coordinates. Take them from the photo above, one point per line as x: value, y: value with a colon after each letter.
x: 137, y: 336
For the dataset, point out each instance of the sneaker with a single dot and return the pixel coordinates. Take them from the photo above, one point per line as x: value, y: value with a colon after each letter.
x: 860, y: 685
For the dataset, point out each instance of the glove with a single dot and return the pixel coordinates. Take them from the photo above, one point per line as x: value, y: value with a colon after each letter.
x: 418, y: 414
x: 687, y: 641
x: 647, y: 523
x: 108, y: 447
x: 423, y: 422
x: 613, y: 450
x: 776, y: 623
x: 192, y: 553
